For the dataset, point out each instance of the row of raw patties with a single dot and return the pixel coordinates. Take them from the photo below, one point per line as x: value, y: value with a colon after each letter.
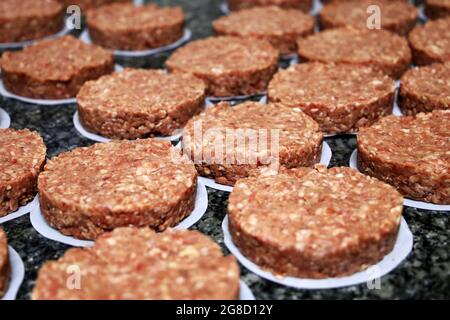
x: 151, y: 26
x: 410, y: 153
x: 136, y: 103
x: 434, y: 9
x: 34, y: 19
x: 302, y: 222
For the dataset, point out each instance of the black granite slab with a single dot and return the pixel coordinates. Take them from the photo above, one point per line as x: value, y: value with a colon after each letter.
x: 424, y: 274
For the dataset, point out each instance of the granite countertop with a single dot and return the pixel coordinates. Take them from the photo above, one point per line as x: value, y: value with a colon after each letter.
x: 424, y: 274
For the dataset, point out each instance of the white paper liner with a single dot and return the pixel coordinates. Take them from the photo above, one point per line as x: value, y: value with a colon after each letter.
x: 17, y: 275
x: 46, y: 102
x: 95, y: 137
x: 316, y: 8
x: 325, y: 160
x: 187, y: 34
x: 40, y: 224
x: 17, y: 45
x: 244, y: 292
x: 397, y: 111
x: 421, y: 13
x: 407, y: 202
x: 231, y: 98
x: 402, y: 248
x: 21, y: 211
x: 5, y: 120
x: 209, y: 103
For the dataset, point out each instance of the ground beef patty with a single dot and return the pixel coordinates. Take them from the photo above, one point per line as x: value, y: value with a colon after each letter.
x: 281, y: 27
x: 22, y: 157
x: 4, y: 263
x: 341, y: 98
x: 85, y: 5
x: 379, y: 49
x: 397, y: 16
x: 135, y: 27
x: 430, y: 43
x: 228, y: 143
x: 29, y: 19
x: 139, y: 264
x: 304, y: 5
x: 91, y: 190
x: 425, y: 89
x: 138, y: 103
x: 436, y: 9
x: 314, y: 223
x: 54, y: 69
x: 230, y: 66
x: 410, y: 153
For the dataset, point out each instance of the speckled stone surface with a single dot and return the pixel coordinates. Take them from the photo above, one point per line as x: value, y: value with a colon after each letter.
x: 424, y: 274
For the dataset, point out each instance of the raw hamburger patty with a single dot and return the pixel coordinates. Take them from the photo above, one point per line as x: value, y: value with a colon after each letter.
x: 85, y: 5
x: 430, y: 43
x: 276, y: 135
x: 341, y: 98
x: 4, y: 263
x: 230, y: 66
x: 29, y: 19
x: 139, y: 264
x: 304, y: 5
x: 397, y: 16
x: 410, y: 153
x: 436, y: 9
x: 314, y: 223
x: 379, y: 49
x: 135, y: 27
x: 138, y: 103
x: 281, y: 27
x: 88, y: 191
x: 425, y: 89
x: 54, y: 69
x: 22, y: 157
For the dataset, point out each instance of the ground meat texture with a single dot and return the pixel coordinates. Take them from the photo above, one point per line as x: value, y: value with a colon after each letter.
x: 430, y: 43
x: 341, y: 98
x: 425, y: 89
x: 139, y: 103
x: 90, y: 190
x: 436, y: 9
x: 85, y: 5
x: 411, y: 153
x: 29, y: 19
x: 283, y: 136
x: 396, y: 16
x: 314, y: 223
x: 54, y: 69
x: 135, y: 27
x: 4, y: 263
x: 281, y: 27
x: 230, y: 66
x: 378, y: 49
x: 22, y: 157
x: 304, y: 5
x: 139, y: 264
